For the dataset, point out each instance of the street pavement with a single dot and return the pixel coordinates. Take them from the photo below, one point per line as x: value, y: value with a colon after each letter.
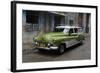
x: 78, y: 52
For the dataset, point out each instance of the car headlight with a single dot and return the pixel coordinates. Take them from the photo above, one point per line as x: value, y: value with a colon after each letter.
x: 48, y: 44
x: 36, y: 43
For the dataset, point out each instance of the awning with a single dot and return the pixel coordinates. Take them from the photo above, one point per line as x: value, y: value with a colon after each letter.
x: 59, y: 13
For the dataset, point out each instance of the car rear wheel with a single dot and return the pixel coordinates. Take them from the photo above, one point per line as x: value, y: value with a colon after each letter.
x: 81, y: 42
x: 61, y: 49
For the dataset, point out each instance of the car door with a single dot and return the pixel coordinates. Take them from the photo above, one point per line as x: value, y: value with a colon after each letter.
x: 76, y: 36
x: 73, y: 35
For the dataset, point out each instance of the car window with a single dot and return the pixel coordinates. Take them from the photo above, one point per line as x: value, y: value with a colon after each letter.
x: 80, y: 30
x: 58, y: 29
x: 71, y: 30
x: 75, y: 30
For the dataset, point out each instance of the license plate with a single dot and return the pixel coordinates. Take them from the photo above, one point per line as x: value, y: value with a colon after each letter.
x: 42, y: 45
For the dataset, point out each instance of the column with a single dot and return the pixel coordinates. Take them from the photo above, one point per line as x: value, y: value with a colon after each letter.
x: 84, y: 22
x: 41, y: 22
x: 52, y: 22
x: 89, y: 24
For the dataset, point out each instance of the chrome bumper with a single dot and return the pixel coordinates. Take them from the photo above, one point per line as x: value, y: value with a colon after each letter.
x: 47, y: 48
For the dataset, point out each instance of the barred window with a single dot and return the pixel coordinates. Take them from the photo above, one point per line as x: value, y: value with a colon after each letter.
x: 32, y: 18
x: 35, y: 27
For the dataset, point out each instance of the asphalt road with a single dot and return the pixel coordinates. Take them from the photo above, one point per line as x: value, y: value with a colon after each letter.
x: 78, y: 52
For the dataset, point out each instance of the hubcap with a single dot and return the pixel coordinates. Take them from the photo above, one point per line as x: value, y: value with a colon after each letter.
x: 61, y: 49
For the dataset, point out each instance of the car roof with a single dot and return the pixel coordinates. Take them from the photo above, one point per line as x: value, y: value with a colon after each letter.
x: 68, y: 27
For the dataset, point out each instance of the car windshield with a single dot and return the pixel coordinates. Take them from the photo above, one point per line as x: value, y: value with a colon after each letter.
x: 58, y: 29
x: 66, y: 30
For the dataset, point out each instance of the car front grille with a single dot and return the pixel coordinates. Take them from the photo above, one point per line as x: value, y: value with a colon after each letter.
x: 39, y: 44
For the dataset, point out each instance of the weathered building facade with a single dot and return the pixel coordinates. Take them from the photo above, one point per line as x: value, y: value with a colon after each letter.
x: 46, y: 21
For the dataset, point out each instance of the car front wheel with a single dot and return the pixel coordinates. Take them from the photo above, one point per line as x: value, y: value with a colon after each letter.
x: 61, y: 49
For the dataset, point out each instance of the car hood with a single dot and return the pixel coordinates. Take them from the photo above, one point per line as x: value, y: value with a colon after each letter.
x: 54, y: 36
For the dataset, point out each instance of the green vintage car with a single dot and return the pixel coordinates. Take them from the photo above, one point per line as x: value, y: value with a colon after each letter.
x: 60, y: 39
